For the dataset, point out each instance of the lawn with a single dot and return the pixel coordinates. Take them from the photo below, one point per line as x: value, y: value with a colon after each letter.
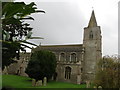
x: 15, y: 81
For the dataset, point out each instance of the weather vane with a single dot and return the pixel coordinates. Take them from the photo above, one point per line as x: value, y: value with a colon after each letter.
x: 92, y: 8
x: 92, y: 4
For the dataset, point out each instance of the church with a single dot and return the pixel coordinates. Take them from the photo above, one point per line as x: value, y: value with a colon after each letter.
x: 78, y: 63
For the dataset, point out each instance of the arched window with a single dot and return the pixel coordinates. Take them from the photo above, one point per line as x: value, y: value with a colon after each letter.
x: 73, y: 57
x: 62, y: 57
x: 67, y: 72
x: 91, y: 35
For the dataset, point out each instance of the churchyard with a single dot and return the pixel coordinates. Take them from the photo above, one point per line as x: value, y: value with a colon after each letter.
x: 82, y: 63
x: 14, y: 81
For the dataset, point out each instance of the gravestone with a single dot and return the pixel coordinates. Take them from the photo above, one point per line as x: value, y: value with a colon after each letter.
x: 87, y: 84
x: 5, y: 71
x: 78, y: 79
x: 0, y: 70
x: 33, y: 82
x: 95, y: 88
x: 39, y: 83
x: 44, y: 81
x: 99, y: 87
x: 52, y: 78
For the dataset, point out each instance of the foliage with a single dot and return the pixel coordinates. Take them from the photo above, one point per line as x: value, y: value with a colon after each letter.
x: 15, y: 31
x: 25, y: 82
x: 9, y: 53
x: 108, y: 73
x: 42, y: 64
x: 13, y: 16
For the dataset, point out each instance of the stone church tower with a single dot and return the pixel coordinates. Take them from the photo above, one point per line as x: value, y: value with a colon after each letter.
x: 92, y: 48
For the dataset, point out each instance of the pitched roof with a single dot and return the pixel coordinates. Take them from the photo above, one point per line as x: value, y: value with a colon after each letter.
x: 68, y: 45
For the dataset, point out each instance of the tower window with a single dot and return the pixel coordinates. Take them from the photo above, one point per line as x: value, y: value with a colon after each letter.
x: 67, y: 73
x: 91, y: 35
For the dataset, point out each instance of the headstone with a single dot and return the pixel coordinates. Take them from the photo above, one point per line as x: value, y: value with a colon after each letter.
x: 44, y: 81
x: 52, y: 78
x: 99, y: 87
x: 8, y: 67
x: 87, y: 84
x: 5, y: 70
x: 33, y: 82
x: 0, y: 70
x: 95, y: 88
x: 78, y: 79
x: 39, y: 83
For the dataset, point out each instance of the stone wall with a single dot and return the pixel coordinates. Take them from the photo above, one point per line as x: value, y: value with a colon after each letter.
x: 75, y: 71
x: 65, y: 58
x: 19, y: 67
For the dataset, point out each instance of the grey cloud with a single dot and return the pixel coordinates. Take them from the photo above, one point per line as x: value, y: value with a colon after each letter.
x: 64, y: 22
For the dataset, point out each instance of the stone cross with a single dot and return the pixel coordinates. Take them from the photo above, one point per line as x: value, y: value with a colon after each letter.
x: 33, y: 82
x: 44, y: 81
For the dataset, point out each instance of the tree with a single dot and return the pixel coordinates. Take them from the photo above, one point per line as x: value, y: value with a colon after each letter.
x: 42, y: 64
x: 15, y: 31
x: 108, y: 73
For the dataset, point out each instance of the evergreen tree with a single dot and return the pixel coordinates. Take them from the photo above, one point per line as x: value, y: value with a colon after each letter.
x: 15, y: 31
x: 42, y: 64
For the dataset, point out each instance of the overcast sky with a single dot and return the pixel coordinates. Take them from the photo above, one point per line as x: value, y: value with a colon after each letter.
x: 64, y: 22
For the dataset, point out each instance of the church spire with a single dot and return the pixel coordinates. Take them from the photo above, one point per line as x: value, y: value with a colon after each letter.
x: 92, y: 22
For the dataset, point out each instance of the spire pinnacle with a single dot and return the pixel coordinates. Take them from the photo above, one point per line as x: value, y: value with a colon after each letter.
x: 92, y: 22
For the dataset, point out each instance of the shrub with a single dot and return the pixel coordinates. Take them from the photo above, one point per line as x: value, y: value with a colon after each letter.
x: 108, y: 73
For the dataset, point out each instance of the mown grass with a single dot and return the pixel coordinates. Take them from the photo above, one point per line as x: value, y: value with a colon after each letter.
x: 0, y: 80
x: 15, y: 81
